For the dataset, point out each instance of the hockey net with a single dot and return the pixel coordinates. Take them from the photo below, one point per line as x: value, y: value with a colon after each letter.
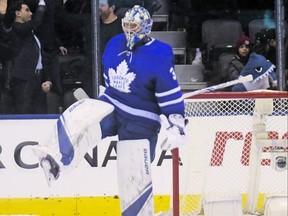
x: 215, y: 159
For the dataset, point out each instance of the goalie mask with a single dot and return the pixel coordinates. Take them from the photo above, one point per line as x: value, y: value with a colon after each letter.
x: 136, y: 24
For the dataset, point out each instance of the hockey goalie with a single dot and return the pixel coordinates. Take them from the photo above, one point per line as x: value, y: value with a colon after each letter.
x: 140, y: 86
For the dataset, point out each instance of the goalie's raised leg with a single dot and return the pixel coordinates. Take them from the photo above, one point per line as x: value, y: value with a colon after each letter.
x: 76, y: 129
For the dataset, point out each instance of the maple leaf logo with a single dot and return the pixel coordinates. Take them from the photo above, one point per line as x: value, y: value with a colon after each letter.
x: 121, y: 78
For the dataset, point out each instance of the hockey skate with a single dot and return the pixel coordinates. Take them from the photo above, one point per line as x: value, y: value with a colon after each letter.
x: 51, y: 169
x: 48, y: 163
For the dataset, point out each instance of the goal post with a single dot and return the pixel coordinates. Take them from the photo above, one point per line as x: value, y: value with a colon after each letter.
x: 217, y: 156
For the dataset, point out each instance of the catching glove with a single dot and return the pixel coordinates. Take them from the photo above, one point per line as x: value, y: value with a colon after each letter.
x: 175, y: 133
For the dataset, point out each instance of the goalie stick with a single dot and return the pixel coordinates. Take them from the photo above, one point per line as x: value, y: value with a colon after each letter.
x: 244, y: 79
x: 80, y: 94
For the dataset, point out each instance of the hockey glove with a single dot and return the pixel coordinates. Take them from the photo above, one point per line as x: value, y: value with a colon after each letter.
x: 175, y: 133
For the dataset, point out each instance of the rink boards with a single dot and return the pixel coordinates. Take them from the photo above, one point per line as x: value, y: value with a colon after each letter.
x: 90, y: 189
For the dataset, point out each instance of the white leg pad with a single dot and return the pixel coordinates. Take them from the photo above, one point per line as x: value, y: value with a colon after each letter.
x: 79, y: 127
x: 134, y: 178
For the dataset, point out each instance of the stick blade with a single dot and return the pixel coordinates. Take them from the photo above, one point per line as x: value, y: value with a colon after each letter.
x: 80, y: 94
x: 245, y: 79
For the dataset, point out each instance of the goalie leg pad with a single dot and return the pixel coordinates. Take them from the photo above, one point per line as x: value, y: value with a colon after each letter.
x: 75, y: 122
x: 134, y: 178
x: 76, y: 129
x: 69, y: 138
x: 66, y: 147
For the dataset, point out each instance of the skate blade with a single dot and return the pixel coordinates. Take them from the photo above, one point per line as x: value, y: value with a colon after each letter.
x: 41, y: 152
x: 45, y: 165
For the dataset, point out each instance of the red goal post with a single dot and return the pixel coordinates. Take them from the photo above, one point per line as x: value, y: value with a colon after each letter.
x: 216, y: 157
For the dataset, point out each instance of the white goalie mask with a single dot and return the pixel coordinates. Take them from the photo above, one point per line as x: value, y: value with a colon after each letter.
x: 136, y: 24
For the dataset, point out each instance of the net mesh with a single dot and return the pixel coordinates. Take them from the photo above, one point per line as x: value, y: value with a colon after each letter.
x: 215, y: 160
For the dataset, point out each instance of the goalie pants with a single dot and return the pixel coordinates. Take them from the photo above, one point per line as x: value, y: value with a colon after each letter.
x: 114, y: 124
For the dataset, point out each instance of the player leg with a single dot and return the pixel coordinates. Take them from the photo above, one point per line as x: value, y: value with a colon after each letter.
x: 76, y: 129
x: 134, y: 177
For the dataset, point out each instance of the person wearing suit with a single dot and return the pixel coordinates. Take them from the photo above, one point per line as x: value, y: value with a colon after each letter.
x: 28, y: 84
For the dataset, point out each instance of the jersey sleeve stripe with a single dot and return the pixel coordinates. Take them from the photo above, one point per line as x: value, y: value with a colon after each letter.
x: 171, y: 102
x: 172, y: 91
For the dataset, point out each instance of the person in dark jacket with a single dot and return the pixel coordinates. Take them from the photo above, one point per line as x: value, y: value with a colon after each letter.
x: 28, y: 84
x: 265, y: 44
x: 239, y: 60
x: 243, y: 50
x: 52, y: 48
x: 110, y: 25
x: 51, y: 45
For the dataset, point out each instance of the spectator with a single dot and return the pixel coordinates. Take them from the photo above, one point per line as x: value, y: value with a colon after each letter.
x: 3, y: 6
x: 51, y: 47
x: 243, y: 50
x: 240, y: 59
x: 110, y: 25
x: 73, y: 25
x: 265, y: 44
x: 28, y: 89
x: 260, y: 69
x: 72, y: 20
x: 8, y: 49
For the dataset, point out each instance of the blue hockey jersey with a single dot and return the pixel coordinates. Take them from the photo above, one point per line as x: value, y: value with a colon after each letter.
x: 141, y: 83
